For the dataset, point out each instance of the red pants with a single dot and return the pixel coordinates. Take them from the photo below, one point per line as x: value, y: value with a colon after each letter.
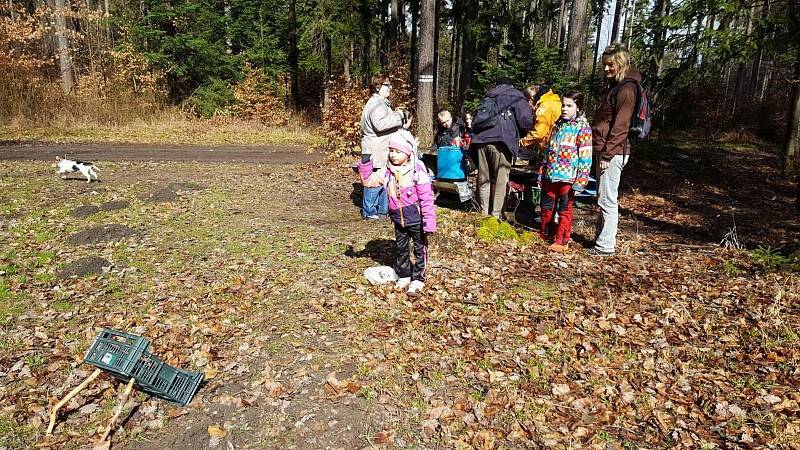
x: 557, y: 197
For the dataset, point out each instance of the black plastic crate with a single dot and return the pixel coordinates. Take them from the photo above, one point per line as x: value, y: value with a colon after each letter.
x: 116, y: 352
x: 158, y: 378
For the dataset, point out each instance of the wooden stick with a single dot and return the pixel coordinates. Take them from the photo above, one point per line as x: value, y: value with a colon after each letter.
x: 121, y: 405
x: 69, y: 396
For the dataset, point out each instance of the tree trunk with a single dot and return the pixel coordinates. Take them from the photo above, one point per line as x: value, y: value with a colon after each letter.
x: 348, y: 58
x: 414, y: 5
x: 759, y: 56
x: 326, y: 95
x: 578, y: 30
x: 394, y: 22
x: 384, y: 42
x: 107, y: 14
x: 64, y: 58
x: 629, y: 27
x: 765, y: 84
x: 451, y: 89
x: 726, y: 97
x: 467, y: 49
x: 660, y: 10
x: 294, y: 54
x: 228, y: 20
x: 425, y: 77
x: 738, y: 92
x: 548, y: 31
x: 791, y: 151
x: 601, y: 9
x: 366, y: 38
x: 401, y: 17
x: 562, y: 17
x: 436, y: 20
x: 617, y: 16
x: 530, y: 27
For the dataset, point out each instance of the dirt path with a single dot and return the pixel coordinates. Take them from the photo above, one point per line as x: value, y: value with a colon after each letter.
x: 270, y: 154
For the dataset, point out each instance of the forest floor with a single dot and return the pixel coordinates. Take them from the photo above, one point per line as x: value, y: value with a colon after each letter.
x: 252, y: 274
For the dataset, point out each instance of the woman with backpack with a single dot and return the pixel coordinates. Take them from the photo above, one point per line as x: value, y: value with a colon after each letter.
x: 611, y: 146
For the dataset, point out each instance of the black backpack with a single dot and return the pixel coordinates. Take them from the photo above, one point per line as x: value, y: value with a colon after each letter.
x: 486, y: 115
x: 642, y: 118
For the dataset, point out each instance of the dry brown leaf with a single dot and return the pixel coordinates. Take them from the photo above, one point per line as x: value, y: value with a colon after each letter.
x: 210, y: 372
x: 217, y: 431
x: 383, y: 437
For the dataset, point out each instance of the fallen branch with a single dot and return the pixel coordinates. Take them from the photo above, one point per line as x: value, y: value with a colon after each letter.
x: 69, y: 396
x: 121, y: 404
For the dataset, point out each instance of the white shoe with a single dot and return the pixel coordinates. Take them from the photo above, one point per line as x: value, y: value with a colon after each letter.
x: 415, y: 287
x: 403, y: 283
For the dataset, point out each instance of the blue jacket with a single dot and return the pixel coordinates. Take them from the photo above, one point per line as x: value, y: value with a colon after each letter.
x: 511, y: 126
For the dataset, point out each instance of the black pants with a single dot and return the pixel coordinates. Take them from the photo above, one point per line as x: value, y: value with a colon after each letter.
x: 403, y: 239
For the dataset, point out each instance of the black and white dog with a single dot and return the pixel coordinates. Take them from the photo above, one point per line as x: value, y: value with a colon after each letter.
x: 66, y: 166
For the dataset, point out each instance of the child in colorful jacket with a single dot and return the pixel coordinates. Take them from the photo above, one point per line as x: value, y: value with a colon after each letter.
x: 411, y: 208
x: 565, y: 169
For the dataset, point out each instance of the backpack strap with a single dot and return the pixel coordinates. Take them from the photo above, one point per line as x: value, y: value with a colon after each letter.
x: 615, y: 91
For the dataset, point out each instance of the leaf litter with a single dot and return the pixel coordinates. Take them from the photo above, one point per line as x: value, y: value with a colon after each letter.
x: 509, y: 346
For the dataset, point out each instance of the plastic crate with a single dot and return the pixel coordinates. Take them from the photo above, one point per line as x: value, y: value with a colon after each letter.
x: 116, y: 352
x: 158, y: 378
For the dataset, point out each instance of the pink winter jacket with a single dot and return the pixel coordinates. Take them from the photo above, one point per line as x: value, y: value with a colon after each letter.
x: 409, y: 204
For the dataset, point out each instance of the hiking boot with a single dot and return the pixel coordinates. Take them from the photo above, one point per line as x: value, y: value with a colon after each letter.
x: 594, y: 251
x: 403, y: 283
x: 415, y: 287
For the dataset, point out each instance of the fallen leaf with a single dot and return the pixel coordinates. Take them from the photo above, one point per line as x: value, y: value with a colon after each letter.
x: 210, y: 373
x: 217, y: 431
x: 560, y: 389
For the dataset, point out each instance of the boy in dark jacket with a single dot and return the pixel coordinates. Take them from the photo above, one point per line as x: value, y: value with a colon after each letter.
x: 497, y: 145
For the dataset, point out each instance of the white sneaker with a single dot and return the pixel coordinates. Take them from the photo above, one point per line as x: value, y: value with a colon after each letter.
x: 415, y: 287
x: 403, y: 283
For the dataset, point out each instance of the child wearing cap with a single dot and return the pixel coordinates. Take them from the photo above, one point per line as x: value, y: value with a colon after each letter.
x: 411, y: 208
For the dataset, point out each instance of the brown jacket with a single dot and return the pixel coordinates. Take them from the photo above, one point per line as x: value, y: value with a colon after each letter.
x: 608, y: 141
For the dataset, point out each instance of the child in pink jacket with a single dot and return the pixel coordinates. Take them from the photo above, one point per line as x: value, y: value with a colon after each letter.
x: 411, y: 208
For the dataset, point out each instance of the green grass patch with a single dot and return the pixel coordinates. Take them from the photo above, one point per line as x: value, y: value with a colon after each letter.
x: 14, y: 435
x: 45, y: 257
x: 8, y: 269
x: 44, y: 277
x: 10, y: 308
x: 10, y: 344
x: 5, y: 290
x: 35, y: 361
x: 63, y: 306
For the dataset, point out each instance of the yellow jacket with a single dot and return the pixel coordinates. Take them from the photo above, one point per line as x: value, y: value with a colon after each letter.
x: 548, y: 110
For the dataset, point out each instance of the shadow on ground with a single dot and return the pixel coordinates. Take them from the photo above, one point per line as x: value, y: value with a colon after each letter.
x: 703, y: 191
x: 379, y: 250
